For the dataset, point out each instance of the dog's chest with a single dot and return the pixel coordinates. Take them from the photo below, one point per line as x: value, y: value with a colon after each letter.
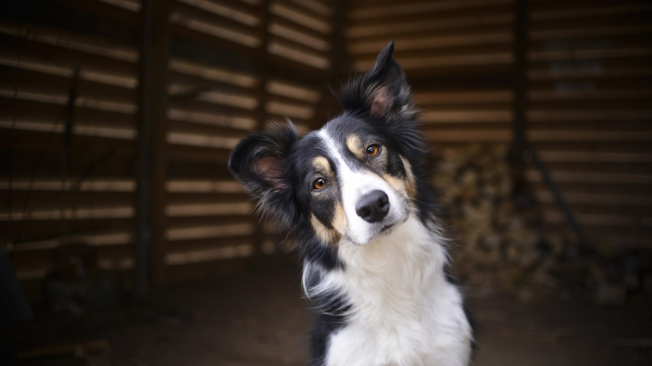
x: 403, y: 311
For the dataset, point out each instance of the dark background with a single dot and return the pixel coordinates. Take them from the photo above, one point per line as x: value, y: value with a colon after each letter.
x: 123, y: 229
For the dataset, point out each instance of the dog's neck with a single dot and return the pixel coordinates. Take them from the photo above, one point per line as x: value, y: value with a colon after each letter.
x: 390, y: 285
x: 404, y: 262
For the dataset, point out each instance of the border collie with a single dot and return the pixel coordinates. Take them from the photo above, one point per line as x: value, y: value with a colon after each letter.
x: 357, y: 197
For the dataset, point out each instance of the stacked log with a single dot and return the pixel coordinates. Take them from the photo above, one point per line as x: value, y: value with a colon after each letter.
x: 498, y: 243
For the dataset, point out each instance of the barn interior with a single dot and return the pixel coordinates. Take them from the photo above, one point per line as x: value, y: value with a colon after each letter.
x: 126, y: 240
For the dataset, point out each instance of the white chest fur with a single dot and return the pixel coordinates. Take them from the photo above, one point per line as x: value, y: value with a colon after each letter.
x: 403, y: 311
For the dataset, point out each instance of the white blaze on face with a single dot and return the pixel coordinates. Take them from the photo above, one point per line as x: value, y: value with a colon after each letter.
x: 355, y: 183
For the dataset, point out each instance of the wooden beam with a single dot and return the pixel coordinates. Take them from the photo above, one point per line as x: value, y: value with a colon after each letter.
x: 152, y: 145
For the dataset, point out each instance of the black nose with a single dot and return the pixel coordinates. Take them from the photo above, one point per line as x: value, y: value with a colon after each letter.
x: 373, y: 206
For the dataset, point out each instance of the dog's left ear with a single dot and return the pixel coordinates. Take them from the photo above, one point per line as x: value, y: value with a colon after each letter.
x: 382, y: 92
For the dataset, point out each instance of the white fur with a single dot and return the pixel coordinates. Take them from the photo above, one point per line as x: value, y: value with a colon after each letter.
x: 404, y: 312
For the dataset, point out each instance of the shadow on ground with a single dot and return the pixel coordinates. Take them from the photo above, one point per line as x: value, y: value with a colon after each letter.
x: 260, y: 318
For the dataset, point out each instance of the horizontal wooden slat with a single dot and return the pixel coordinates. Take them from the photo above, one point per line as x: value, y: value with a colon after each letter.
x: 201, y: 140
x: 39, y: 230
x: 237, y: 36
x: 52, y: 200
x: 90, y: 212
x: 592, y: 177
x: 460, y: 116
x: 43, y: 110
x: 291, y: 90
x: 206, y: 209
x: 211, y: 72
x: 227, y: 11
x: 177, y: 126
x: 470, y: 60
x: 295, y: 14
x: 420, y: 8
x: 209, y: 255
x: 296, y: 35
x: 212, y: 118
x: 14, y: 48
x: 421, y: 43
x: 204, y: 186
x: 283, y: 49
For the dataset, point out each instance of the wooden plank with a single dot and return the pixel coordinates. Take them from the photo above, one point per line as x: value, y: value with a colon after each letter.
x: 185, y: 69
x: 189, y: 9
x: 429, y: 42
x: 199, y: 154
x: 285, y: 28
x: 299, y: 46
x: 25, y: 140
x: 590, y: 115
x: 607, y: 188
x: 602, y: 167
x: 471, y: 60
x: 410, y: 8
x: 207, y: 130
x: 283, y: 49
x: 51, y: 200
x: 300, y: 16
x: 318, y: 7
x: 29, y: 231
x: 35, y: 82
x: 591, y: 33
x: 562, y: 55
x: 102, y: 9
x: 489, y: 23
x: 204, y: 169
x: 225, y: 6
x: 633, y: 81
x: 37, y: 111
x: 456, y: 10
x: 189, y: 221
x: 152, y: 146
x: 15, y: 48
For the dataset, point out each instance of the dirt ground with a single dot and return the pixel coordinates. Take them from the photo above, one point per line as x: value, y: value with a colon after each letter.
x: 259, y: 318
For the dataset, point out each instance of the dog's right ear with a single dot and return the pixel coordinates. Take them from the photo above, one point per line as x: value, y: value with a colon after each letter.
x: 259, y: 163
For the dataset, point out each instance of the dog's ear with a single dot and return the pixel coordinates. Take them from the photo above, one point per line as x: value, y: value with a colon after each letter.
x: 259, y: 162
x: 382, y: 92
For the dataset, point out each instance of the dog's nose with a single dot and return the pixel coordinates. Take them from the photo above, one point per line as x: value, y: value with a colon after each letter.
x: 373, y: 206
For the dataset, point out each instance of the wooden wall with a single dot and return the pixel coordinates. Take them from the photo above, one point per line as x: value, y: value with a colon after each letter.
x: 235, y: 65
x: 589, y: 80
x: 232, y: 67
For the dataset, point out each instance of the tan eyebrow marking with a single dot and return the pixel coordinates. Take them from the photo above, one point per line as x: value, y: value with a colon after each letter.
x: 354, y: 144
x: 321, y: 164
x: 411, y: 185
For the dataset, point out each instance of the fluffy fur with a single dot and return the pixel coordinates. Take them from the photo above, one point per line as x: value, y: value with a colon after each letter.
x: 380, y: 287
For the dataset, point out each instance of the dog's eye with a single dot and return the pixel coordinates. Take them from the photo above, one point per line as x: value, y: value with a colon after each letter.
x: 373, y: 149
x: 319, y: 183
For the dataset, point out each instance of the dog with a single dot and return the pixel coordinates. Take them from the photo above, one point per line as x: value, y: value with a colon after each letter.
x: 356, y: 196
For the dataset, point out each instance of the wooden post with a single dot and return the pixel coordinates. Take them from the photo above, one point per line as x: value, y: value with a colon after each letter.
x: 152, y: 157
x: 520, y: 105
x: 340, y: 64
x: 261, y: 113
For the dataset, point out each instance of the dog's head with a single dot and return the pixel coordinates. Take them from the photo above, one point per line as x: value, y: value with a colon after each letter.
x: 354, y: 179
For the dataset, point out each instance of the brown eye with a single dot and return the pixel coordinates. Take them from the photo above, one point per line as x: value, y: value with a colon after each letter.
x: 373, y: 149
x: 319, y: 183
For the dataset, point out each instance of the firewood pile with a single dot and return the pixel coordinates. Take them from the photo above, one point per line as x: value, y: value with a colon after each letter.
x: 499, y: 238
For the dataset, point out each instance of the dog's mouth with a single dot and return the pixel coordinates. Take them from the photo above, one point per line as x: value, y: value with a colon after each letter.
x: 386, y: 228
